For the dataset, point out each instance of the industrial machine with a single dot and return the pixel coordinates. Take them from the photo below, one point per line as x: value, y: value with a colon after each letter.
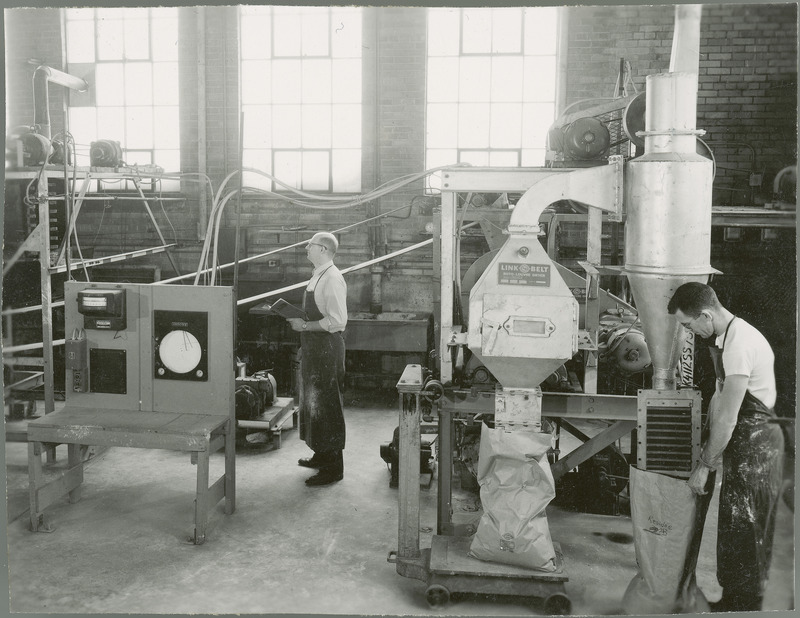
x: 525, y: 322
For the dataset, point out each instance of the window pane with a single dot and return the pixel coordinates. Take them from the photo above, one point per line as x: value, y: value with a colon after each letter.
x: 533, y: 157
x: 316, y: 81
x: 167, y: 127
x: 315, y: 93
x: 109, y: 39
x: 80, y: 41
x: 316, y: 170
x: 439, y: 158
x: 473, y: 125
x: 165, y: 38
x: 346, y: 126
x: 138, y: 157
x: 474, y: 157
x: 506, y: 125
x: 541, y: 30
x: 109, y: 84
x: 476, y: 28
x: 316, y: 126
x: 255, y: 39
x: 83, y: 125
x: 286, y: 81
x: 73, y: 14
x: 111, y: 124
x: 165, y: 83
x: 347, y: 171
x: 170, y: 159
x: 286, y: 126
x: 109, y: 13
x: 257, y: 126
x: 503, y: 158
x: 262, y: 161
x: 346, y: 81
x: 540, y: 78
x: 129, y: 13
x: 506, y: 31
x: 474, y: 82
x: 138, y: 83
x: 287, y: 32
x: 345, y: 32
x: 536, y: 120
x: 507, y: 79
x: 442, y: 125
x: 315, y: 32
x: 443, y: 32
x: 256, y: 81
x: 443, y: 79
x: 137, y: 39
x: 139, y: 127
x: 287, y: 169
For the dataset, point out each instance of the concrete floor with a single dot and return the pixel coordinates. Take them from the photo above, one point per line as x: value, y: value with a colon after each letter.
x: 289, y: 548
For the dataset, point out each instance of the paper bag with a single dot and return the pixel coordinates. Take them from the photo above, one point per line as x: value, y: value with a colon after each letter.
x: 516, y: 485
x: 668, y: 524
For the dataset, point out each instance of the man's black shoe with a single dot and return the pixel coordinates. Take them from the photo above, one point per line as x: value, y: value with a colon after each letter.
x: 310, y: 462
x: 325, y: 477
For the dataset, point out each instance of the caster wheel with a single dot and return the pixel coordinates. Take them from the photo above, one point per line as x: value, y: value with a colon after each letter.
x: 557, y: 604
x: 437, y: 596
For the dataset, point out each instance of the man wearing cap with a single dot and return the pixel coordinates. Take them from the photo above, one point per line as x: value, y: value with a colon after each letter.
x: 321, y: 420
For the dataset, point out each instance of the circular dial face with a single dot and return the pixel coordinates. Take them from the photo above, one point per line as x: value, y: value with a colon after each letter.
x: 180, y: 351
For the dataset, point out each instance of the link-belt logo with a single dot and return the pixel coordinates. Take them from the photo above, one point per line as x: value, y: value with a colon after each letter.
x: 524, y: 274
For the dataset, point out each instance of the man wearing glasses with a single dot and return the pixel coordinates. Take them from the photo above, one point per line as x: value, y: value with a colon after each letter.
x: 744, y: 438
x: 321, y: 419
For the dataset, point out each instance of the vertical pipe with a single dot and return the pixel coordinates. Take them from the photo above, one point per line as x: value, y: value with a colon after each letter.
x: 685, y: 56
x: 200, y: 31
x: 447, y: 254
x: 47, y: 294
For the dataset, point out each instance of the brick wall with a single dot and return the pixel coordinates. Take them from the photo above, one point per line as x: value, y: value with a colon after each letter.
x: 747, y: 85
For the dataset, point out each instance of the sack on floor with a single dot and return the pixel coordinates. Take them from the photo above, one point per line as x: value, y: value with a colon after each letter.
x: 668, y: 524
x: 516, y: 486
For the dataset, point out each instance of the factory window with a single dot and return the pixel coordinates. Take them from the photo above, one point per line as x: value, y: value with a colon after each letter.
x: 301, y: 96
x: 129, y: 56
x: 491, y: 86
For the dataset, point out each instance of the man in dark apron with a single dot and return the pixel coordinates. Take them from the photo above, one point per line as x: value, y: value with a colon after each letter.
x: 321, y: 419
x: 745, y: 437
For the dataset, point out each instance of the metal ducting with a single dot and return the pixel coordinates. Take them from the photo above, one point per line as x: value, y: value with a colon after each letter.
x: 42, y: 76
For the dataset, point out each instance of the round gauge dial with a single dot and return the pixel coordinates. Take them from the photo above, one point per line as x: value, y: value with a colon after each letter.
x: 180, y: 351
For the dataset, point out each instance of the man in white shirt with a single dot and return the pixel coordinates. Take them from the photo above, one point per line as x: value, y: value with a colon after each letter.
x: 743, y: 437
x: 321, y: 417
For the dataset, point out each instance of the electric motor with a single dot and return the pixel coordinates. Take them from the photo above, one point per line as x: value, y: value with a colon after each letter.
x: 105, y: 153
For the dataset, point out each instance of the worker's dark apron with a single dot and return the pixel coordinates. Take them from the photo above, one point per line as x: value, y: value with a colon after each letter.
x: 751, y: 483
x: 321, y: 421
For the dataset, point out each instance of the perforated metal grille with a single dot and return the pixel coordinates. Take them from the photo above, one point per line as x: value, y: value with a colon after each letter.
x: 669, y: 439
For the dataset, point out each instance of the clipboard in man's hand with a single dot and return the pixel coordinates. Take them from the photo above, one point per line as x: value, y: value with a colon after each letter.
x: 287, y: 310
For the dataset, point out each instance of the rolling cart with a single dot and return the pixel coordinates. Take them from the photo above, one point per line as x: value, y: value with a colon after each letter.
x: 446, y: 567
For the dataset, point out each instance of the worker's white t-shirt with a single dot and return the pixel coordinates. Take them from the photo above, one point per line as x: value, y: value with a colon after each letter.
x: 747, y: 352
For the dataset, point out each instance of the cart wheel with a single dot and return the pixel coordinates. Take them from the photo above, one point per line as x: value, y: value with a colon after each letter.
x: 437, y: 596
x: 557, y: 604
